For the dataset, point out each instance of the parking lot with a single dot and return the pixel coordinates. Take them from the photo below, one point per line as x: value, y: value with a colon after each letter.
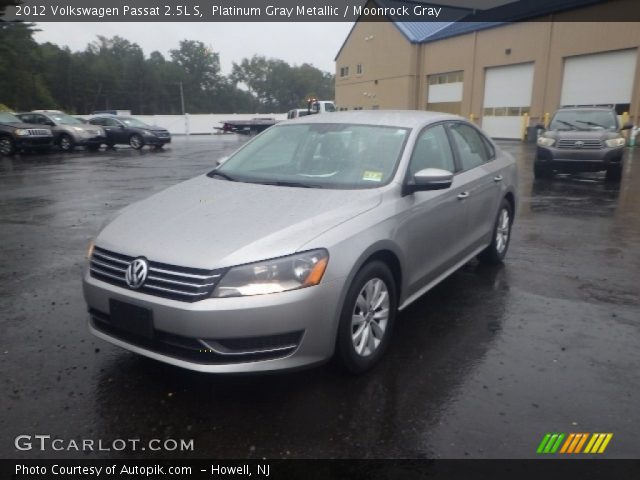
x: 481, y: 367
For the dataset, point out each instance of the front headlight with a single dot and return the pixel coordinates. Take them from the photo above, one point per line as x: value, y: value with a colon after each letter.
x: 148, y: 133
x: 615, y: 142
x: 78, y: 129
x: 546, y: 141
x: 21, y: 132
x: 272, y: 276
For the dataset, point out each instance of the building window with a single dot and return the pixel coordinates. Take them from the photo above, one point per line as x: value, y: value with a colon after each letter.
x: 359, y: 69
x: 449, y: 77
x: 344, y: 71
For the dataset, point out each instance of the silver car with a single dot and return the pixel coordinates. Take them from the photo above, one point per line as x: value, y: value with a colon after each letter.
x: 304, y: 244
x: 68, y: 132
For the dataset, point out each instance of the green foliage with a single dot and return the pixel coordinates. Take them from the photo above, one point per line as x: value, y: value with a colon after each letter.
x: 113, y: 73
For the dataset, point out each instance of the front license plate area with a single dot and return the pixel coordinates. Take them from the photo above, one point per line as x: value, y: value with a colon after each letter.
x: 131, y: 319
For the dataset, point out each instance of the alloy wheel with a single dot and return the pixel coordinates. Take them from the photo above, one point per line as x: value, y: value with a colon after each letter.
x: 370, y: 317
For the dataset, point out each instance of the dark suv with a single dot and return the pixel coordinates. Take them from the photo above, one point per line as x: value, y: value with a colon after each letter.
x: 15, y: 135
x: 581, y: 139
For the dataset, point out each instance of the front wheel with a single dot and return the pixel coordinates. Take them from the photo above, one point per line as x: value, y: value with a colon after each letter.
x: 367, y: 318
x: 136, y: 142
x: 497, y: 250
x: 66, y: 143
x: 7, y: 146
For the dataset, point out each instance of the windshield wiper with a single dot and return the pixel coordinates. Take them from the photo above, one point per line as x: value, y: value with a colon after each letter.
x: 281, y: 183
x: 593, y: 124
x: 215, y: 173
x: 569, y: 124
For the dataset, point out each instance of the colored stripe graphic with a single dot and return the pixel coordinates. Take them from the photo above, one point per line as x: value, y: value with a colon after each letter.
x: 598, y: 443
x: 574, y: 443
x: 550, y: 443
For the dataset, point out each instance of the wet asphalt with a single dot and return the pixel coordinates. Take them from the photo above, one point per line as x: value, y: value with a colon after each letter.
x: 481, y: 367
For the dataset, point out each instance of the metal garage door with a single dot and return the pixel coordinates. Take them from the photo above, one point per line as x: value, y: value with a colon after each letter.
x: 599, y: 79
x: 507, y: 96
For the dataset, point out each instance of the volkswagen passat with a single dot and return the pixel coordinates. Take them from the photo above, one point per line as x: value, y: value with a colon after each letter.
x: 304, y: 244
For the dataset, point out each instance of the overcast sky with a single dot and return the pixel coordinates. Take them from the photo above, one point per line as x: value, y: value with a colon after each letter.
x: 296, y: 43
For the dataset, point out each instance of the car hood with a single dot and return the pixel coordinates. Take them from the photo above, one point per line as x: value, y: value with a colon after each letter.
x: 27, y: 125
x: 210, y: 223
x: 582, y: 134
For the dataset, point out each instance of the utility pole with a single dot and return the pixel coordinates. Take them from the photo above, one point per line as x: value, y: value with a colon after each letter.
x: 186, y: 121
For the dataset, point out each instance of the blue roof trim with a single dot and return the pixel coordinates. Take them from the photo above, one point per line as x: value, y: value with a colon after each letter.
x: 468, y: 20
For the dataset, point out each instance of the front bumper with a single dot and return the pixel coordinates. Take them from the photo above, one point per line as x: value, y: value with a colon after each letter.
x: 86, y: 141
x: 579, y: 159
x: 304, y: 320
x: 34, y: 142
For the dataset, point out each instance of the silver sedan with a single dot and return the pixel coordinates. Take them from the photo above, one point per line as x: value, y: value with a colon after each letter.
x: 304, y: 244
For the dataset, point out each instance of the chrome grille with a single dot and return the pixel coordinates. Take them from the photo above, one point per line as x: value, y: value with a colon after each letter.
x: 580, y: 144
x: 39, y: 131
x: 168, y: 281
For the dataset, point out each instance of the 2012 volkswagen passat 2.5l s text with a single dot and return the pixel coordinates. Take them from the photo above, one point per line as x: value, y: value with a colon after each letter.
x: 304, y: 244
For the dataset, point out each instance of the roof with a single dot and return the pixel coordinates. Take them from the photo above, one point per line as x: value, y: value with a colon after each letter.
x: 395, y: 118
x: 461, y: 20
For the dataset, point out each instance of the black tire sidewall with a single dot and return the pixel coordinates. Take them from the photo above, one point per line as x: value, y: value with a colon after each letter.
x: 349, y: 359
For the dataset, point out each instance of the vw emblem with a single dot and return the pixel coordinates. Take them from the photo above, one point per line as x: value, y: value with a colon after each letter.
x: 136, y: 273
x: 579, y: 144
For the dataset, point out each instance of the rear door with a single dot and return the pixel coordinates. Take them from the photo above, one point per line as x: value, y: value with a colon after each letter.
x: 480, y: 175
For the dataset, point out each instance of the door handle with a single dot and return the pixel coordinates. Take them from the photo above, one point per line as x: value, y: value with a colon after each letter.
x: 463, y: 195
x: 498, y: 178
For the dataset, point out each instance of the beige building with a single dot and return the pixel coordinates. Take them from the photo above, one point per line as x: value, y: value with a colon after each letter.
x: 501, y: 76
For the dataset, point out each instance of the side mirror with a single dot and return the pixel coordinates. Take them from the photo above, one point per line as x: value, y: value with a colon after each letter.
x: 428, y: 179
x: 50, y: 123
x: 120, y: 126
x: 627, y: 126
x: 221, y: 160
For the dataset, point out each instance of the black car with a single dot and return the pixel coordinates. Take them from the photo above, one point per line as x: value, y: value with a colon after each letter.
x: 15, y: 135
x: 131, y: 131
x: 581, y: 139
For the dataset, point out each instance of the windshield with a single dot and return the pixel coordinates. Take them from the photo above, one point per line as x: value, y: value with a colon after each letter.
x: 64, y: 119
x: 584, y: 120
x: 318, y: 155
x: 6, y: 117
x: 133, y: 122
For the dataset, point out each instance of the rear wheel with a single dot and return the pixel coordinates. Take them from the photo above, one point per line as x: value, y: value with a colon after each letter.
x: 497, y: 250
x: 136, y: 142
x: 7, y: 146
x: 367, y: 318
x: 66, y: 143
x: 542, y: 171
x: 614, y: 173
x: 93, y: 147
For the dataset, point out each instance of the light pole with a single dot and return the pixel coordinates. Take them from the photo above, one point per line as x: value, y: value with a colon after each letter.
x: 184, y: 115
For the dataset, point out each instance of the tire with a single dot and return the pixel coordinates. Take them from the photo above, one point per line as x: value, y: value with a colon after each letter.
x: 110, y: 144
x: 7, y: 146
x: 136, y: 142
x: 614, y: 173
x: 93, y: 147
x: 541, y: 171
x: 373, y: 290
x: 66, y: 144
x: 501, y: 235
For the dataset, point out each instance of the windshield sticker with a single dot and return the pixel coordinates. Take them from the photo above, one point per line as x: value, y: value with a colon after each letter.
x: 372, y: 176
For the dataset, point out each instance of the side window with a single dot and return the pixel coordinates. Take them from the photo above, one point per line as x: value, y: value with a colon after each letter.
x: 41, y: 119
x: 471, y: 148
x: 96, y: 121
x: 432, y: 150
x: 110, y: 122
